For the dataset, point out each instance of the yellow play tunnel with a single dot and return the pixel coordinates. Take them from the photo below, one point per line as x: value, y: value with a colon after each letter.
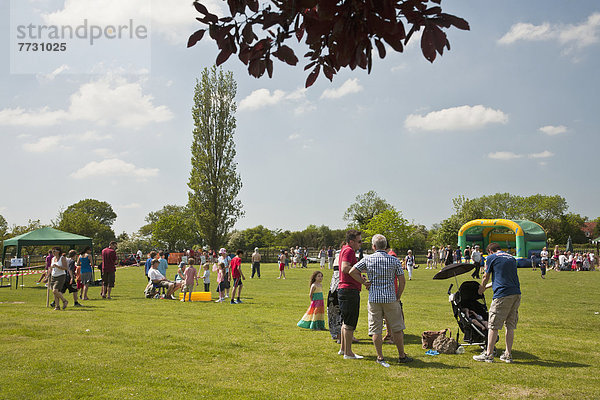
x: 197, y: 296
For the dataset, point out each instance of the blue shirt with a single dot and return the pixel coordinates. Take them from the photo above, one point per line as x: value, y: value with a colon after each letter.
x: 503, y: 268
x: 148, y: 265
x: 162, y: 266
x: 381, y: 269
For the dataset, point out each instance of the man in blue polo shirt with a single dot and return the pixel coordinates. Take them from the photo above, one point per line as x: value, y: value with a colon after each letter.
x: 504, y: 310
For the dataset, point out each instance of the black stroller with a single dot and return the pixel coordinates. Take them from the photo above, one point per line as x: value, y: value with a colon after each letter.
x: 467, y: 298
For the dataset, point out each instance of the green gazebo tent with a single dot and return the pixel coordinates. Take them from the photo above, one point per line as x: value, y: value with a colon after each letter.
x: 45, y: 236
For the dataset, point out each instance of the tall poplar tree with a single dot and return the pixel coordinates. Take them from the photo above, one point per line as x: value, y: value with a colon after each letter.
x: 214, y: 183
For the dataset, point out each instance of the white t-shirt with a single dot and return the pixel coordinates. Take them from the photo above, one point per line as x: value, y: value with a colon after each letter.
x: 155, y: 275
x: 476, y: 256
x: 544, y: 254
x: 206, y: 276
x: 62, y: 262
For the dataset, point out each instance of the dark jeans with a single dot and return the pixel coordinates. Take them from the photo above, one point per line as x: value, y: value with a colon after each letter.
x: 207, y: 287
x: 475, y: 273
x: 255, y: 269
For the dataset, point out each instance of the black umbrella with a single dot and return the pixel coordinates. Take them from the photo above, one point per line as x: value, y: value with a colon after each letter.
x: 454, y: 270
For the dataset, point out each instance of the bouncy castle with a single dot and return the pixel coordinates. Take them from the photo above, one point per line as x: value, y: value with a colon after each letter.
x: 521, y: 238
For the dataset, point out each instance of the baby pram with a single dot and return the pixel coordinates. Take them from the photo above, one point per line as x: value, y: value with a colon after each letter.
x: 467, y: 297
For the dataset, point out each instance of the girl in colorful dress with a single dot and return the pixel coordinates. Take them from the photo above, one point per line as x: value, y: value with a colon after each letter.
x: 315, y: 315
x: 221, y: 283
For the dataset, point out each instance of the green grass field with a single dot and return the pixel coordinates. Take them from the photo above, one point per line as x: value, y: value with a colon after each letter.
x: 132, y: 347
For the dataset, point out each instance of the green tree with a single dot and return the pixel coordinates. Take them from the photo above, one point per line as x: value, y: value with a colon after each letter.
x: 32, y: 225
x: 391, y: 224
x: 171, y: 227
x: 596, y: 231
x: 365, y: 207
x: 91, y: 218
x: 214, y: 183
x: 3, y: 228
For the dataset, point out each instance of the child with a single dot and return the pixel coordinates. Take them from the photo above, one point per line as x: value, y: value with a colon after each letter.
x: 189, y: 275
x: 476, y: 319
x: 315, y: 315
x: 282, y: 265
x: 221, y: 283
x: 206, y: 277
x: 237, y: 275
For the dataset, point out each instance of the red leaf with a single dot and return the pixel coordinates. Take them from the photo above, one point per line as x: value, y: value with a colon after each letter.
x: 270, y: 67
x: 253, y: 5
x: 201, y: 8
x: 456, y: 21
x: 381, y: 48
x: 427, y: 45
x: 312, y: 77
x: 223, y: 56
x: 285, y: 53
x: 195, y: 37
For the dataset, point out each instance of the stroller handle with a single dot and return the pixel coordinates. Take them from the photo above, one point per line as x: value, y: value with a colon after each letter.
x: 450, y: 289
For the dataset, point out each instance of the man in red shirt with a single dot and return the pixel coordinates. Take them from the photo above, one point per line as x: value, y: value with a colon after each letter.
x: 109, y: 266
x: 237, y: 275
x: 349, y: 293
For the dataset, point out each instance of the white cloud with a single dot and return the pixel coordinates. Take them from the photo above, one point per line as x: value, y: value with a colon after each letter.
x: 553, y: 130
x: 53, y: 74
x: 261, y: 98
x: 580, y: 35
x: 107, y: 100
x: 131, y: 205
x: 456, y: 118
x: 543, y: 154
x: 348, y: 87
x: 113, y: 167
x: 400, y: 67
x: 503, y: 155
x: 104, y: 152
x: 91, y: 136
x: 523, y: 31
x: 174, y: 19
x: 294, y: 136
x: 44, y: 145
x: 304, y: 108
x: 297, y: 94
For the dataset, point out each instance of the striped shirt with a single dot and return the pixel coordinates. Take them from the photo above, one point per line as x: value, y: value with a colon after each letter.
x: 381, y: 269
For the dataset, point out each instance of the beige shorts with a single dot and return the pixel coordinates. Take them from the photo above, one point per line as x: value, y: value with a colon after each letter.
x: 505, y: 311
x: 392, y: 313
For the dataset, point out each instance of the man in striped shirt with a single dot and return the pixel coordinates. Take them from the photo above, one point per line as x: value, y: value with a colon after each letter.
x: 384, y: 300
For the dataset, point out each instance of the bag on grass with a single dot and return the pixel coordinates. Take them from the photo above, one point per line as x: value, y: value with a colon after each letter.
x: 445, y: 345
x: 428, y: 337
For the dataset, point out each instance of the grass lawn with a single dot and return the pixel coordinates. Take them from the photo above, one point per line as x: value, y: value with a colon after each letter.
x: 132, y: 347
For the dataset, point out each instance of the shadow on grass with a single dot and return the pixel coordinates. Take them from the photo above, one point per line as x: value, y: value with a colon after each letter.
x: 416, y: 363
x: 524, y: 358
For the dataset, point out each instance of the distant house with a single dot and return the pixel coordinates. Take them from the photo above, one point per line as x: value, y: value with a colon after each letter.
x: 588, y: 229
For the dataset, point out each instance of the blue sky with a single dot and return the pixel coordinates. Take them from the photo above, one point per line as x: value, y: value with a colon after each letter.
x: 513, y: 107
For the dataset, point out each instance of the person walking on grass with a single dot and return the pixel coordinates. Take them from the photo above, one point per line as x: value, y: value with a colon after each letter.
x: 226, y: 260
x: 206, y: 277
x: 255, y: 263
x: 282, y: 261
x: 476, y: 257
x: 314, y: 318
x: 349, y: 293
x: 501, y: 267
x: 221, y: 283
x: 109, y: 267
x: 409, y: 261
x: 190, y: 275
x: 57, y: 277
x: 238, y: 276
x: 322, y: 257
x: 85, y: 262
x: 384, y: 300
x: 330, y: 257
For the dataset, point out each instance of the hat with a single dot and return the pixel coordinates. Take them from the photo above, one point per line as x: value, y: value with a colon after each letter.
x: 222, y: 251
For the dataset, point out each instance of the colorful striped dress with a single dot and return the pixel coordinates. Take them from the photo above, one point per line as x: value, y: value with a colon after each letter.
x: 315, y: 315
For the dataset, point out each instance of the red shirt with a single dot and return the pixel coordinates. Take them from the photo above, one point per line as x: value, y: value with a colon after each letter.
x: 235, y: 265
x: 109, y: 260
x: 346, y: 281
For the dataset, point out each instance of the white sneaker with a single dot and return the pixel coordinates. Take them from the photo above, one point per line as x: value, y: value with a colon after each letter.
x: 383, y: 363
x: 484, y: 357
x: 354, y: 357
x: 341, y: 352
x: 507, y: 358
